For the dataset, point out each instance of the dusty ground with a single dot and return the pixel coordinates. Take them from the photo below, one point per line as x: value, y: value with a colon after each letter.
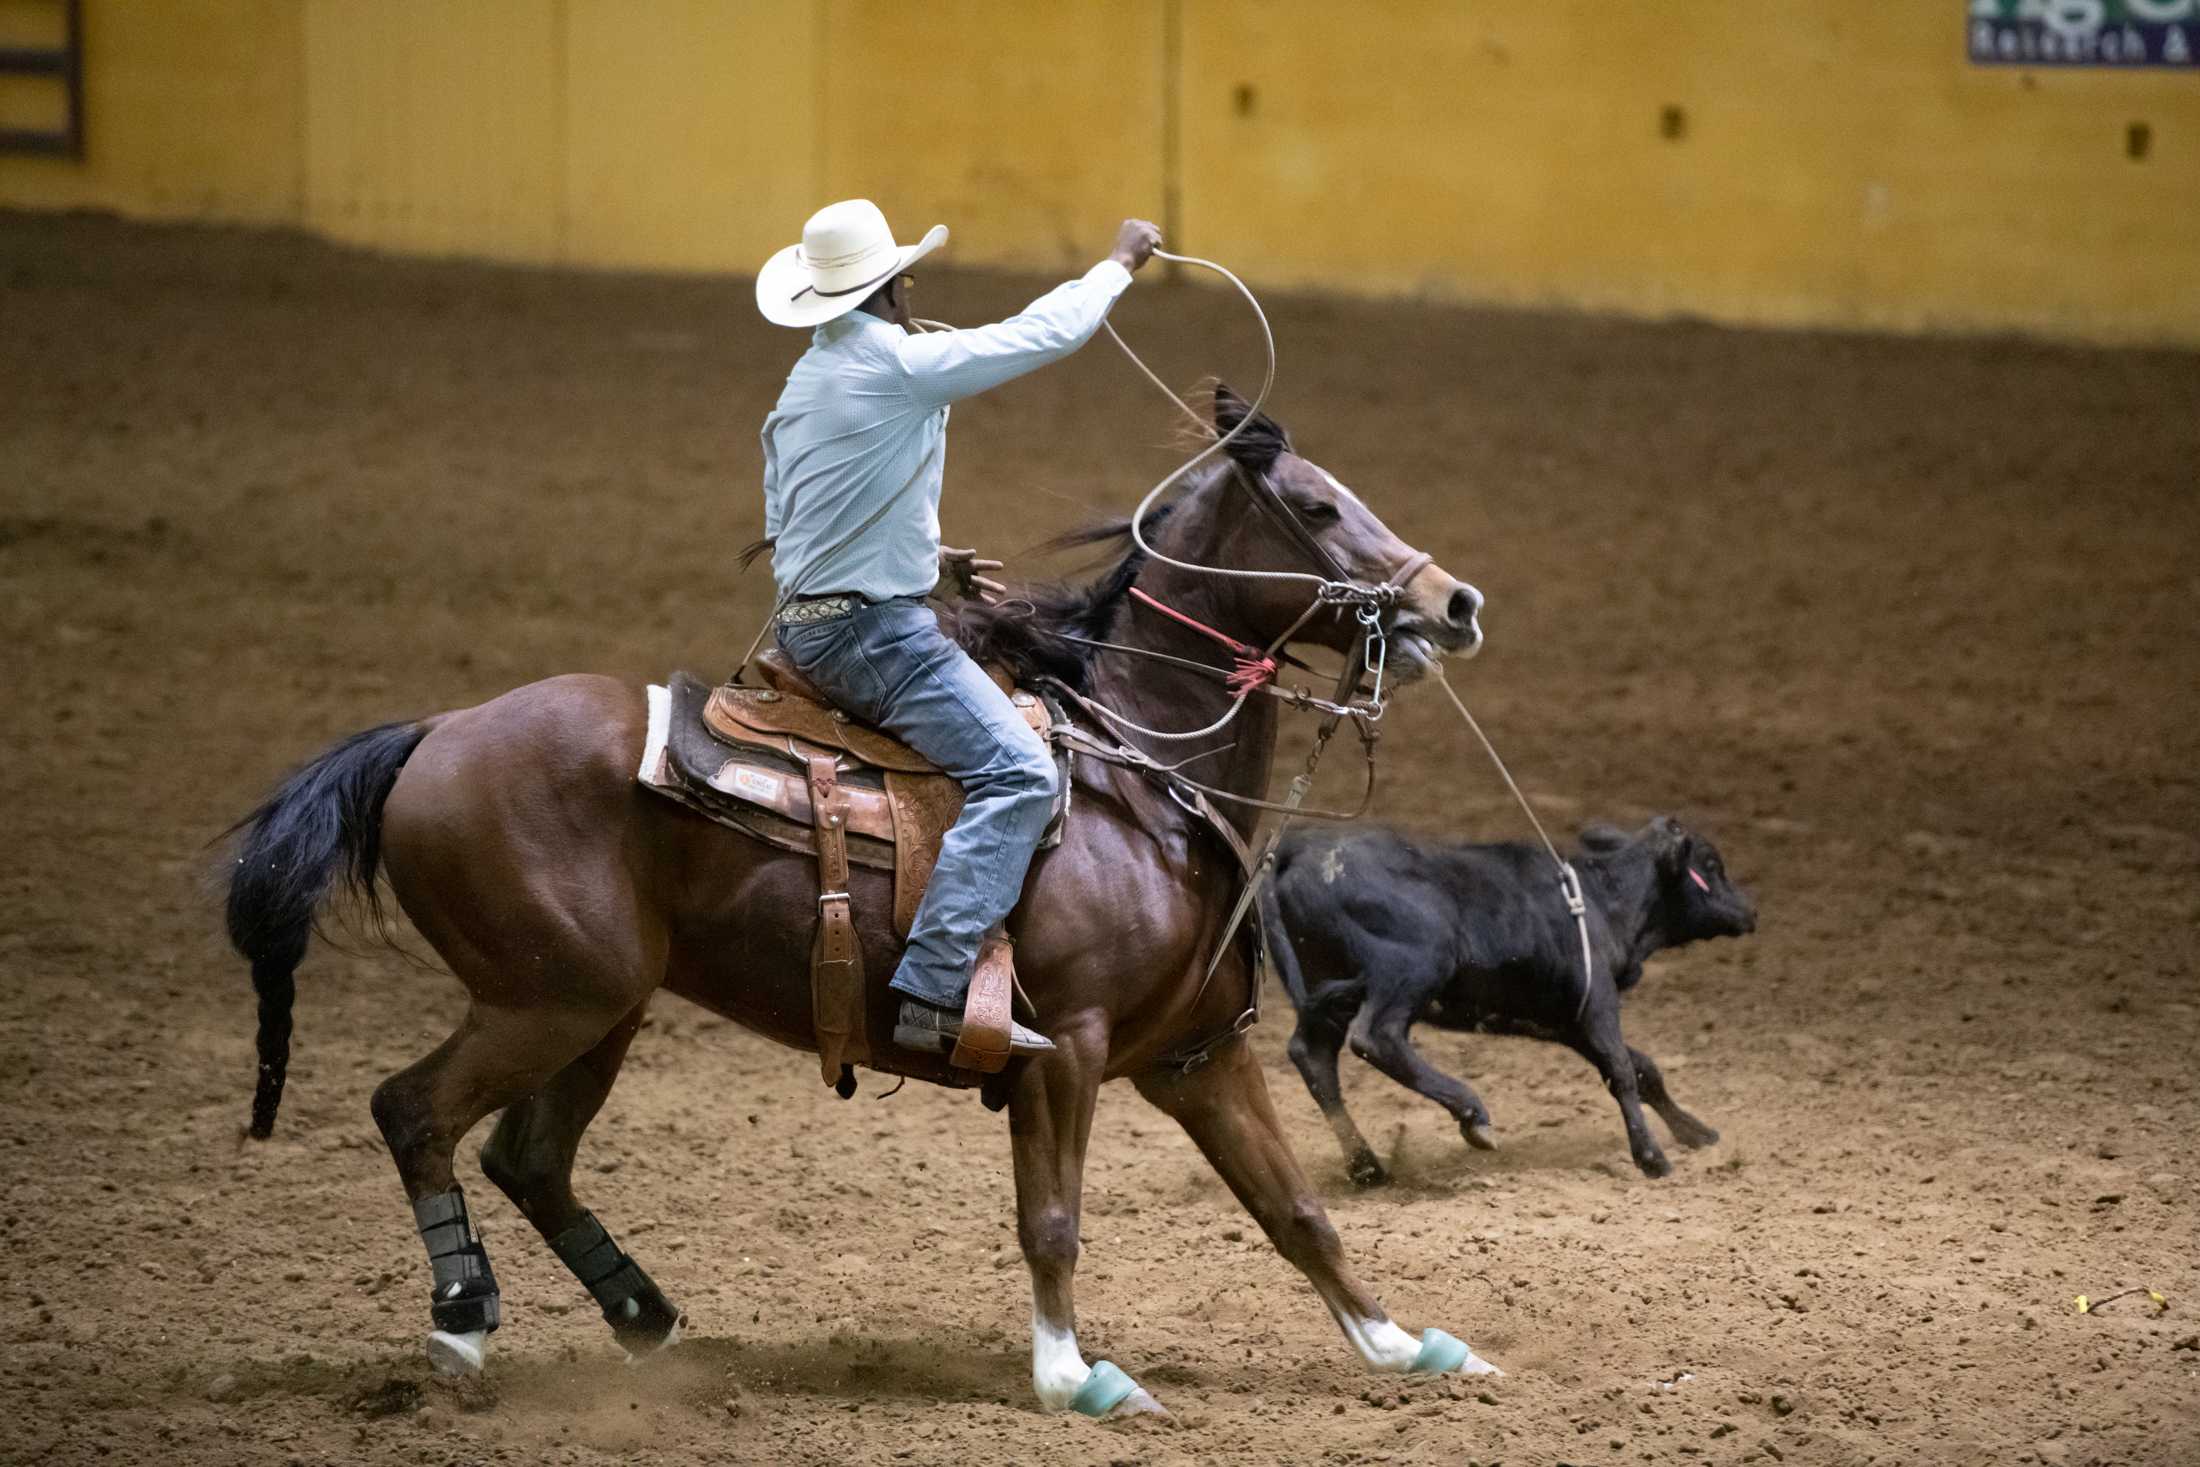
x: 1907, y: 625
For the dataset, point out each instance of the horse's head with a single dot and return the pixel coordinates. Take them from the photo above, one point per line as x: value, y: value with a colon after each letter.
x: 1277, y: 511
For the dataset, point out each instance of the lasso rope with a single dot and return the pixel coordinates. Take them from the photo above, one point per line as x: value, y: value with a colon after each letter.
x: 1255, y: 670
x: 1569, y: 880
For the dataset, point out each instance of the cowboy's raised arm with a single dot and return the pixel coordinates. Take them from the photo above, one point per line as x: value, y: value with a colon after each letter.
x: 947, y: 366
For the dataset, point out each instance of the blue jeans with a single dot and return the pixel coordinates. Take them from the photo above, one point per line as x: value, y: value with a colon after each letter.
x: 890, y: 665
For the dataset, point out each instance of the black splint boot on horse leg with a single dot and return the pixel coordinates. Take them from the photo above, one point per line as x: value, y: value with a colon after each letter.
x: 464, y: 1306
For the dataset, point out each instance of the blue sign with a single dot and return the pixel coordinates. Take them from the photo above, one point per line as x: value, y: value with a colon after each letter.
x: 2108, y: 33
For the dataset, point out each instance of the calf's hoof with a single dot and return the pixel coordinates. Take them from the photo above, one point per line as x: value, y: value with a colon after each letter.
x: 459, y: 1354
x: 1366, y: 1171
x: 1696, y: 1138
x: 1654, y: 1164
x: 1481, y: 1135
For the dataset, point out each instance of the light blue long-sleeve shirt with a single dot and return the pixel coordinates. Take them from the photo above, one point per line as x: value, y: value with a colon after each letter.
x: 861, y: 430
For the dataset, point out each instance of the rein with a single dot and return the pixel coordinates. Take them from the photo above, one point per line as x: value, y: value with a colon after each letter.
x: 1370, y: 653
x: 1254, y: 667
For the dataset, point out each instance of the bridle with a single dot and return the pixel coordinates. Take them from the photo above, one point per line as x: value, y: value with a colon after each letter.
x: 1335, y: 587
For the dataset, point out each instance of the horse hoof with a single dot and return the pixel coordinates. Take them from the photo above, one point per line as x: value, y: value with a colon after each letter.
x: 454, y: 1355
x: 1110, y: 1395
x: 645, y: 1350
x: 1368, y: 1173
x: 1139, y: 1406
x: 1481, y: 1135
x: 1445, y: 1354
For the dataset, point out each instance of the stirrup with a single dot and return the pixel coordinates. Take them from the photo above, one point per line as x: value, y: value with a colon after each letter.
x: 986, y: 1037
x: 941, y: 1036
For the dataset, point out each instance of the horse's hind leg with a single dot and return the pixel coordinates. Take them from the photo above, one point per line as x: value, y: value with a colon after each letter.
x: 511, y: 840
x: 530, y: 1158
x: 496, y: 1058
x: 1225, y: 1108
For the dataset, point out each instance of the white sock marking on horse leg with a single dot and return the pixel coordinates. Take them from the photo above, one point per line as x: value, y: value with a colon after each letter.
x: 1387, y: 1348
x: 1380, y: 1342
x: 1058, y: 1368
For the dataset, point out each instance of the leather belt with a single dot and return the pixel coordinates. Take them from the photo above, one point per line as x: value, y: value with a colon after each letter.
x: 819, y: 608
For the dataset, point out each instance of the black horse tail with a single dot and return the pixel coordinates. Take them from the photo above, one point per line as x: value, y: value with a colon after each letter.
x: 321, y: 827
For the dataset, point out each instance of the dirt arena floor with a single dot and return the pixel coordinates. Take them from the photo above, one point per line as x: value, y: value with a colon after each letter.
x: 1907, y: 625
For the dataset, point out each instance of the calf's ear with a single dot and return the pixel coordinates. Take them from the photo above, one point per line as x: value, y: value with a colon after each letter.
x: 1671, y: 840
x: 1600, y: 836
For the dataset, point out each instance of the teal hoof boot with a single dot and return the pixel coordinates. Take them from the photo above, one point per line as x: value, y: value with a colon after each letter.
x: 1440, y: 1354
x: 1105, y: 1389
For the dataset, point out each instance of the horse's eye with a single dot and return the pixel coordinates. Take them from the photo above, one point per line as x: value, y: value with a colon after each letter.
x: 1320, y: 511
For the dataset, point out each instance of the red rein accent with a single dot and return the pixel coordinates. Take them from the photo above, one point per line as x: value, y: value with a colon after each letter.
x: 1253, y: 666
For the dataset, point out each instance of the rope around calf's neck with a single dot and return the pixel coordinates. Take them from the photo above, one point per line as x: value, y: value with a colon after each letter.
x: 1569, y: 880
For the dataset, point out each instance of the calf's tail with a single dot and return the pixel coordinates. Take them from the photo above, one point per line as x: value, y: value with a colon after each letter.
x: 1280, y: 950
x: 321, y: 829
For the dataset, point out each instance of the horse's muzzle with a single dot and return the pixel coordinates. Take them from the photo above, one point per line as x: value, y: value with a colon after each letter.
x: 1439, y: 616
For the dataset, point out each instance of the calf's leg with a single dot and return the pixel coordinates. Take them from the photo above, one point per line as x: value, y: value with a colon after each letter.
x: 1686, y: 1128
x: 1313, y: 1048
x: 1600, y: 1043
x: 1379, y: 1036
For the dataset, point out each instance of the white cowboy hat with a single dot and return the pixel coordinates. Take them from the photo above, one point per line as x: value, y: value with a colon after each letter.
x: 846, y: 253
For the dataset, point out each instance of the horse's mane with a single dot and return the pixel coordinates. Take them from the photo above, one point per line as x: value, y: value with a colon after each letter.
x: 1028, y: 630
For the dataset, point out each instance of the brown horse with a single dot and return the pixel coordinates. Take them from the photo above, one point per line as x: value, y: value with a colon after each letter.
x: 516, y: 838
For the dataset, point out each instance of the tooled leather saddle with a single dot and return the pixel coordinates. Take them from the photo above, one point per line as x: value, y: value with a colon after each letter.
x: 775, y: 759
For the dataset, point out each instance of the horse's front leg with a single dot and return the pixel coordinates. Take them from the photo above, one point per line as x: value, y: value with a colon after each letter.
x: 1050, y: 1122
x: 1224, y: 1106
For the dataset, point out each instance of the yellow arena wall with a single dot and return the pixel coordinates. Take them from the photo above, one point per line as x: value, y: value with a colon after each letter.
x: 1822, y: 162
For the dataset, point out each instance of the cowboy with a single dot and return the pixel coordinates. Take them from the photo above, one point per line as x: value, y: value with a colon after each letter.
x: 853, y: 456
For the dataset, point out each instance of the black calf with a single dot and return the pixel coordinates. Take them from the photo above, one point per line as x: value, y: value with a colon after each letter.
x: 1463, y: 936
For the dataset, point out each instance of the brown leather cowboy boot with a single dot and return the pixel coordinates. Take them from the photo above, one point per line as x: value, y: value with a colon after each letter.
x: 984, y: 1035
x: 920, y: 1026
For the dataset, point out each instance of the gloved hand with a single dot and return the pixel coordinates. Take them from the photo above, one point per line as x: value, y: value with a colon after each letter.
x: 965, y: 569
x: 1135, y: 243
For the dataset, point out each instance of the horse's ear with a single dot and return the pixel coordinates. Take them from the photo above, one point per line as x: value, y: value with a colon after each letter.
x: 1263, y: 440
